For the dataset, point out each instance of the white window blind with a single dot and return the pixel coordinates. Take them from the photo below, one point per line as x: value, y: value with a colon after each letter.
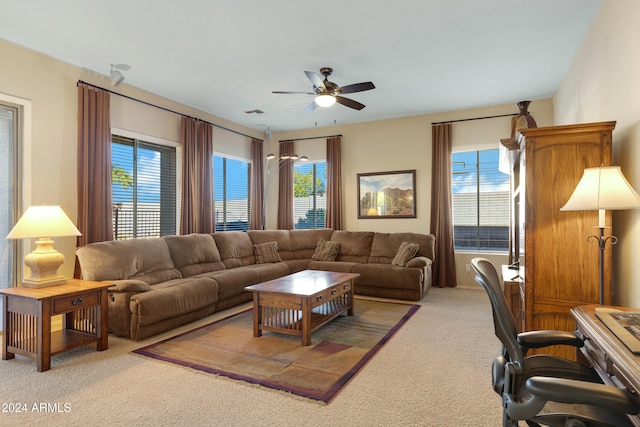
x: 144, y: 189
x: 231, y: 193
x: 309, y: 195
x: 480, y: 202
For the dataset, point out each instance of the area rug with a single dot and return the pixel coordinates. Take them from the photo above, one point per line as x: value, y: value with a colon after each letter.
x: 319, y: 371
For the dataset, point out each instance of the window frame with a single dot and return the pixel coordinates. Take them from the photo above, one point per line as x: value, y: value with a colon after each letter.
x: 225, y: 225
x: 169, y: 218
x: 314, y: 195
x: 484, y: 240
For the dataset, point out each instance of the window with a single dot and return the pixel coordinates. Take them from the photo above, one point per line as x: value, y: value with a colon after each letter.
x: 231, y: 193
x: 144, y: 189
x: 480, y: 202
x: 309, y: 195
x: 8, y: 191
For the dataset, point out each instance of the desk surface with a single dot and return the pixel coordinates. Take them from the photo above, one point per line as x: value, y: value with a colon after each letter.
x: 613, y: 361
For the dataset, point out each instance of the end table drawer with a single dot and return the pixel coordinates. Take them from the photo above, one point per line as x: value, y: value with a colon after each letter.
x: 66, y: 304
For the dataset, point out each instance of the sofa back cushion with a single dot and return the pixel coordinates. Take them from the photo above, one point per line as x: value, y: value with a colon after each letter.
x: 355, y: 246
x: 235, y: 248
x: 146, y: 259
x: 385, y: 246
x: 281, y: 237
x: 194, y: 254
x: 304, y: 242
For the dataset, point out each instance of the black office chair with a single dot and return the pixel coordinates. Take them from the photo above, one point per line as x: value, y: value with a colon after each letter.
x: 544, y: 389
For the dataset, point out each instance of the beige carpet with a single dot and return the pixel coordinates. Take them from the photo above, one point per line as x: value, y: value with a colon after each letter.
x: 434, y: 372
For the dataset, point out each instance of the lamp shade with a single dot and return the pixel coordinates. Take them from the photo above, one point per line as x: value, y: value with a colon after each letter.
x: 325, y: 100
x: 602, y: 188
x: 43, y: 221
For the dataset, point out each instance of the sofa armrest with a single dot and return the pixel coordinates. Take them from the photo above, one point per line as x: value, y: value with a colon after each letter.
x: 129, y: 285
x: 418, y: 262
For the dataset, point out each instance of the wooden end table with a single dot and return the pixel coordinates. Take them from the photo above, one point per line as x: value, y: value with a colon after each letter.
x: 27, y: 319
x: 301, y: 302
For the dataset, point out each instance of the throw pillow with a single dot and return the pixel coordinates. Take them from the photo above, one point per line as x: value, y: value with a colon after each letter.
x: 326, y: 251
x: 266, y: 252
x: 406, y: 251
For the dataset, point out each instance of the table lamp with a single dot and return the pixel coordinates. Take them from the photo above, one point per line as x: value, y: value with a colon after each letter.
x: 43, y: 222
x: 601, y: 189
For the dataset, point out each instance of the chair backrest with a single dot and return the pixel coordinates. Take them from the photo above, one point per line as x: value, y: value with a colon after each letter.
x: 504, y: 324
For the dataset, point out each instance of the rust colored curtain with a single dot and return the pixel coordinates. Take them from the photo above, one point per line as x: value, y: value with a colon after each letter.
x: 285, y: 189
x: 95, y: 207
x: 334, y: 214
x: 196, y: 211
x: 257, y: 186
x: 444, y: 266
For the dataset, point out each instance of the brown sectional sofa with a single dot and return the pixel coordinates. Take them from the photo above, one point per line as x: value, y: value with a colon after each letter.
x: 160, y: 283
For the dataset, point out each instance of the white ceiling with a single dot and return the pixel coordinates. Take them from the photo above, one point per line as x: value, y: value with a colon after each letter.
x: 226, y: 56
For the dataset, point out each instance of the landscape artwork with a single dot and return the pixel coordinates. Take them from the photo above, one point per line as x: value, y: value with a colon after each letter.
x: 387, y: 194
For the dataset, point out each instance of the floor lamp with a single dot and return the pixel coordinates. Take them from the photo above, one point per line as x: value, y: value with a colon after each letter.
x: 603, y: 188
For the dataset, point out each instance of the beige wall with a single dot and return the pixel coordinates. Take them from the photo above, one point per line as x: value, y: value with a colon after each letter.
x: 604, y: 84
x: 401, y: 144
x: 48, y: 87
x: 396, y: 144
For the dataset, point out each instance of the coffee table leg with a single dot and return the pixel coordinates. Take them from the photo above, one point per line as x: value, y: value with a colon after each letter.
x: 350, y: 299
x: 257, y: 315
x: 306, y: 321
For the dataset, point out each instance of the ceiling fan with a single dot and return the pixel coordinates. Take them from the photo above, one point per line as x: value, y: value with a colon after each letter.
x: 327, y: 93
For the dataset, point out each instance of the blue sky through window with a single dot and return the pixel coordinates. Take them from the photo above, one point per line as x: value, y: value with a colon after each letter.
x: 464, y: 168
x: 147, y: 177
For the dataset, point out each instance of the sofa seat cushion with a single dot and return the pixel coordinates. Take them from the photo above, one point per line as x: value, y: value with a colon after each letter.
x: 147, y: 259
x: 232, y: 282
x: 338, y: 266
x: 236, y: 248
x: 387, y: 276
x: 269, y: 271
x: 194, y: 254
x: 173, y: 298
x: 296, y: 265
x: 355, y: 246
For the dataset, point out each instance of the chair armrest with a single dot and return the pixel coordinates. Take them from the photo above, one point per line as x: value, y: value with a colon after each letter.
x: 544, y: 338
x: 573, y: 391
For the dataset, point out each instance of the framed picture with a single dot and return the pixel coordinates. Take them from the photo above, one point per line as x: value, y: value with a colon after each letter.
x: 387, y: 194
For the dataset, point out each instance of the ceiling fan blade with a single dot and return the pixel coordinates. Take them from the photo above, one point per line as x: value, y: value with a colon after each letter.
x: 358, y: 87
x: 311, y: 107
x: 315, y: 79
x: 349, y: 103
x: 290, y: 92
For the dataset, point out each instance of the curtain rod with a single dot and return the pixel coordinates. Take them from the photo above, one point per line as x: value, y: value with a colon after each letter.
x: 165, y: 109
x: 311, y: 137
x: 474, y: 118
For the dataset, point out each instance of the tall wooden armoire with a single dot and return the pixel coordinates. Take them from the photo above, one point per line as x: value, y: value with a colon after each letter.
x: 561, y: 266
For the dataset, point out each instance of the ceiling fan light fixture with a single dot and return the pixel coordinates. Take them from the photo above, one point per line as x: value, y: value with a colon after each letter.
x: 325, y: 100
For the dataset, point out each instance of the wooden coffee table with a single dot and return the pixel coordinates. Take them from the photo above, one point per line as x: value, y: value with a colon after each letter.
x: 299, y: 303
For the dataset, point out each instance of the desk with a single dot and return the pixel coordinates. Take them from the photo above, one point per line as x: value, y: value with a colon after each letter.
x: 27, y: 319
x: 615, y: 364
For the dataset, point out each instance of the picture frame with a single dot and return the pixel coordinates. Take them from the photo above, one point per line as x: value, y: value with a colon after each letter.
x: 387, y: 194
